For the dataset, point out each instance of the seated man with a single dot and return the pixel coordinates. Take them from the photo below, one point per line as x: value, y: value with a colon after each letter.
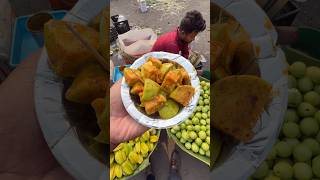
x: 178, y: 40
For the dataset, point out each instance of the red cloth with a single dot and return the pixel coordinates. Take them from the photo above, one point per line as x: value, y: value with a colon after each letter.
x: 170, y: 42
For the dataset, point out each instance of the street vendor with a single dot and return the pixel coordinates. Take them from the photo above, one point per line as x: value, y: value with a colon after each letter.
x: 178, y: 41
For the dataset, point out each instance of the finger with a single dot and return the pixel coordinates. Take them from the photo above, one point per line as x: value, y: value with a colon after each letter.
x: 118, y: 109
x: 19, y: 129
x: 125, y: 129
x: 139, y: 129
x: 115, y: 93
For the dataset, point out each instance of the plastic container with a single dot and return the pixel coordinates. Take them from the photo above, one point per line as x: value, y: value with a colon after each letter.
x: 117, y: 74
x: 241, y: 159
x: 23, y: 42
x: 143, y: 6
x: 35, y: 25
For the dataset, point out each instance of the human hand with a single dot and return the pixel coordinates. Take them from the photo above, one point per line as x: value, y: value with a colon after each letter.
x: 24, y: 154
x: 122, y: 126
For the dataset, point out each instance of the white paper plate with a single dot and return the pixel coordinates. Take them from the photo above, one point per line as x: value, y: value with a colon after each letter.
x: 60, y: 135
x: 161, y: 123
x: 243, y: 159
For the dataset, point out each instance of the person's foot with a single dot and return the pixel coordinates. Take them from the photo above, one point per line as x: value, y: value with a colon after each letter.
x: 150, y: 175
x: 175, y: 160
x: 174, y: 166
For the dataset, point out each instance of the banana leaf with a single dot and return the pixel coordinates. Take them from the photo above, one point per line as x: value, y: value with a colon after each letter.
x: 215, y: 146
x: 198, y: 156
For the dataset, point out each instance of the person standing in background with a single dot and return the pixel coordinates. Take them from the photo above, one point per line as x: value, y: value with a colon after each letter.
x: 178, y: 41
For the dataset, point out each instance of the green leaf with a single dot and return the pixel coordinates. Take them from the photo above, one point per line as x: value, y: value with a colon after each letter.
x: 217, y: 145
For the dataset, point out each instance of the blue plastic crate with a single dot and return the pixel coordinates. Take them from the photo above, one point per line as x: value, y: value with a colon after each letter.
x: 117, y: 74
x: 23, y: 43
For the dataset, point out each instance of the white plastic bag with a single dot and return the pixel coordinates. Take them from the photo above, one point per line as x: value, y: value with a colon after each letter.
x: 137, y: 42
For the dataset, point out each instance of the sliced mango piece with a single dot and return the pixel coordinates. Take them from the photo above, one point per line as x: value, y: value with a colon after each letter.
x: 170, y: 81
x: 99, y: 107
x: 155, y: 104
x: 185, y: 79
x: 151, y: 89
x: 165, y: 68
x: 91, y: 83
x: 131, y: 76
x: 67, y: 55
x: 149, y: 71
x: 183, y: 94
x: 137, y: 88
x: 169, y: 110
x: 163, y: 93
x: 156, y: 62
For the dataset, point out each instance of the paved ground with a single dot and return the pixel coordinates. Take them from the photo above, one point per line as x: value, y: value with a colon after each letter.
x: 166, y: 17
x: 309, y: 14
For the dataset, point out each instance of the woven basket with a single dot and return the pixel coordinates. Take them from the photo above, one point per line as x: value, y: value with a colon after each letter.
x: 195, y: 58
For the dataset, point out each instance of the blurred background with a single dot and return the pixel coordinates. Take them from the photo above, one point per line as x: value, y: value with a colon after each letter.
x: 15, y: 41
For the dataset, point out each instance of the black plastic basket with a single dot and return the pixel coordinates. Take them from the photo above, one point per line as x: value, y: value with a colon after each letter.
x: 115, y: 18
x: 113, y: 34
x: 121, y: 26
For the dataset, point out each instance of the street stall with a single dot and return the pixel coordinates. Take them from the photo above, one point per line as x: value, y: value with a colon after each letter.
x: 174, y: 110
